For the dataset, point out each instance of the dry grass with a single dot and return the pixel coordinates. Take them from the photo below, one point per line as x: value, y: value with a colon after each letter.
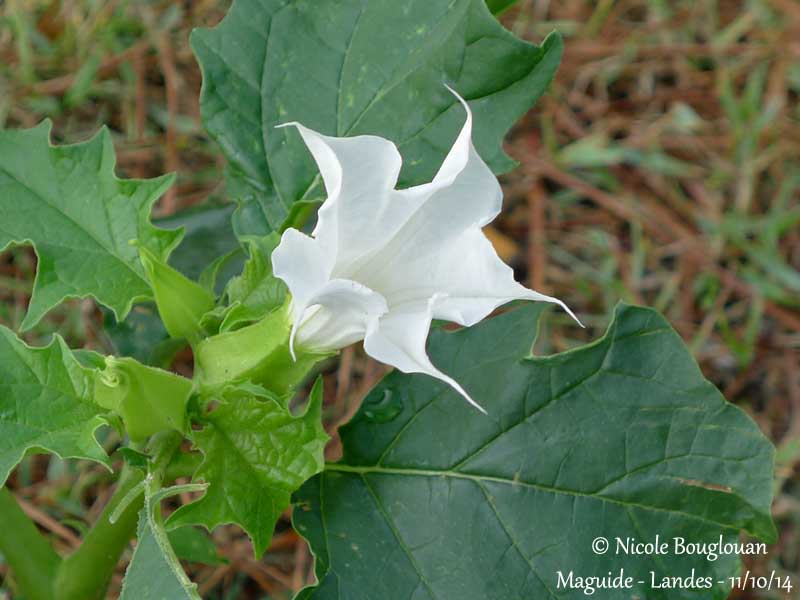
x: 663, y: 168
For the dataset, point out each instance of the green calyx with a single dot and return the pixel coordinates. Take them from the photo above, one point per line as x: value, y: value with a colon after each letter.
x: 258, y: 353
x: 149, y: 400
x: 181, y: 302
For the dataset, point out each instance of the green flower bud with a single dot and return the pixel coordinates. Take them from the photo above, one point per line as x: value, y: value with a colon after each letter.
x: 149, y: 400
x: 181, y: 302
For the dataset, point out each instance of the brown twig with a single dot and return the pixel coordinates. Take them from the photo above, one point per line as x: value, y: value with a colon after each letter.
x: 537, y: 249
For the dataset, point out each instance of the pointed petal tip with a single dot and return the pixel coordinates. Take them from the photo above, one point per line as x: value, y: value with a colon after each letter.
x: 452, y: 90
x: 288, y: 124
x: 571, y: 314
x: 473, y: 403
x: 455, y: 385
x: 460, y: 98
x: 536, y: 296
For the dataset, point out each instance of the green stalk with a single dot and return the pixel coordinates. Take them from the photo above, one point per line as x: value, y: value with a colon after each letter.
x: 84, y: 575
x: 32, y: 559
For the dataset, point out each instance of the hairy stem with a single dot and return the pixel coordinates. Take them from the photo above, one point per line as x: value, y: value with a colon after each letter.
x: 31, y: 557
x: 86, y: 572
x: 84, y: 575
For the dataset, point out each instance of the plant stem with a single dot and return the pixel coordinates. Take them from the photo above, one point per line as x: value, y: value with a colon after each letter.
x: 84, y: 575
x: 30, y: 555
x: 86, y: 572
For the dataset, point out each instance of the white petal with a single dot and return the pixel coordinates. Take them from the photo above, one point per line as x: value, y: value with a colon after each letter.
x: 300, y: 262
x: 462, y: 149
x: 337, y: 315
x: 360, y: 174
x: 475, y: 278
x: 464, y: 188
x: 398, y: 339
x: 464, y: 193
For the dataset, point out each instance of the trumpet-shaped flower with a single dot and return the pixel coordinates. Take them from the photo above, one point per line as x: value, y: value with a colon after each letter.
x: 382, y: 263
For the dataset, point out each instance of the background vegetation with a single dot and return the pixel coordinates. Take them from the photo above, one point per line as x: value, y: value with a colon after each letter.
x: 663, y: 168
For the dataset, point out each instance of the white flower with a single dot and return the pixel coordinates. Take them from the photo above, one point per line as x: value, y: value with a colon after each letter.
x: 382, y: 263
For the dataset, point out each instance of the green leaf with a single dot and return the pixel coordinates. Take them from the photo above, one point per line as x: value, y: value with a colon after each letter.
x: 256, y: 291
x: 142, y: 336
x: 497, y: 7
x: 194, y: 545
x: 67, y: 202
x: 154, y: 572
x: 219, y: 271
x: 256, y: 453
x: 620, y: 438
x: 134, y: 458
x: 208, y: 235
x: 357, y: 67
x: 208, y: 249
x: 45, y: 404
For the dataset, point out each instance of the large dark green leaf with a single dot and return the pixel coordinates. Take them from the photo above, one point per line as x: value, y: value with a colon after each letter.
x: 620, y: 438
x: 356, y: 67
